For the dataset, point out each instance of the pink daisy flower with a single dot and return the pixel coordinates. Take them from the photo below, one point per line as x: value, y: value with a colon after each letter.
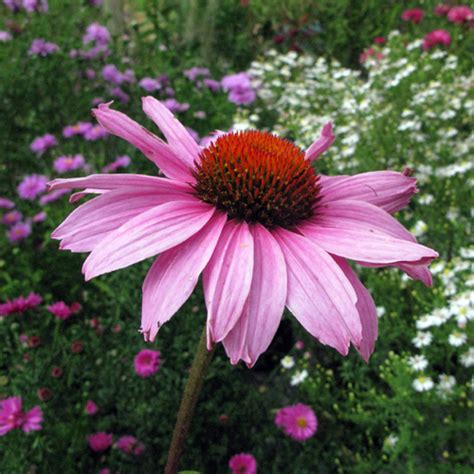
x: 436, y: 37
x: 243, y: 464
x: 297, y: 421
x: 12, y: 416
x: 251, y: 214
x: 91, y: 407
x: 20, y: 304
x: 130, y: 445
x: 99, y: 442
x: 414, y: 15
x: 62, y: 311
x: 147, y: 362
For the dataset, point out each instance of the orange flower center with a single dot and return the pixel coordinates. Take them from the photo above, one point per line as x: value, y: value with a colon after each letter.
x: 257, y: 177
x: 301, y: 422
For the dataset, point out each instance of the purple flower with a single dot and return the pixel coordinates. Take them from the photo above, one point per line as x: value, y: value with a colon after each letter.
x: 242, y: 96
x: 95, y: 3
x: 40, y: 47
x: 97, y: 100
x: 6, y: 203
x: 13, y: 5
x: 111, y: 74
x: 195, y: 72
x: 212, y: 84
x: 120, y: 162
x: 12, y: 217
x: 99, y: 50
x: 78, y: 129
x: 32, y: 186
x: 90, y: 74
x: 5, y: 36
x: 35, y: 6
x: 149, y: 84
x: 95, y: 133
x: 96, y: 33
x: 40, y: 144
x: 241, y: 79
x: 39, y: 217
x: 174, y: 106
x: 53, y: 196
x: 240, y: 88
x: 19, y: 231
x: 63, y: 164
x: 120, y: 94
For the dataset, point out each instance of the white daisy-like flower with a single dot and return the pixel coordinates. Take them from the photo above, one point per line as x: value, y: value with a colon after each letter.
x: 287, y: 362
x: 418, y: 362
x: 467, y: 359
x: 299, y: 377
x: 380, y: 311
x: 391, y: 441
x: 457, y: 339
x: 423, y: 383
x: 422, y: 339
x: 447, y: 382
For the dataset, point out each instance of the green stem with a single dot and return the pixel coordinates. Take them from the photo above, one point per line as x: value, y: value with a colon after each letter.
x: 201, y: 362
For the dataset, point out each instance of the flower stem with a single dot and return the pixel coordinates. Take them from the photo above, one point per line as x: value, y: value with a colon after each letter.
x: 201, y: 362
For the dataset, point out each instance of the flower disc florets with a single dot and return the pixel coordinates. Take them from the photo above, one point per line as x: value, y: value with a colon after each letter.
x: 257, y: 177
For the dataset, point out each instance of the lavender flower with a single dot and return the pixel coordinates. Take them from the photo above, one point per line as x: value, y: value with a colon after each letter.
x: 149, y: 84
x: 40, y: 47
x: 40, y: 144
x: 32, y: 186
x: 63, y: 164
x: 18, y: 232
x: 174, y: 106
x: 96, y: 33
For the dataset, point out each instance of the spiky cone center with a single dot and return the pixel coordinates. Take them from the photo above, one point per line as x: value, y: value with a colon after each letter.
x: 257, y: 177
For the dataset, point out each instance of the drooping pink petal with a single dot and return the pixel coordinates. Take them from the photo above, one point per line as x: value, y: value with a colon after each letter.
x: 227, y: 279
x: 361, y: 231
x: 265, y: 304
x: 319, y: 294
x: 146, y: 235
x: 174, y: 275
x: 321, y: 144
x: 149, y: 144
x: 179, y: 139
x: 389, y: 190
x: 367, y: 311
x: 91, y: 222
x: 417, y: 272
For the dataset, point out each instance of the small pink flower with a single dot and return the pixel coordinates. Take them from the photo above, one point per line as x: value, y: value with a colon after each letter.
x: 11, y: 218
x: 20, y: 304
x: 380, y: 40
x: 147, y: 362
x: 149, y: 84
x: 19, y: 231
x: 298, y: 421
x: 99, y: 442
x: 6, y: 203
x: 61, y: 310
x: 243, y: 464
x: 436, y: 37
x: 91, y: 407
x: 95, y: 133
x: 299, y: 345
x: 460, y: 14
x: 12, y: 416
x: 40, y: 144
x: 40, y: 47
x: 442, y: 10
x: 96, y: 33
x: 39, y: 217
x: 414, y: 15
x: 64, y: 164
x: 130, y: 445
x: 78, y: 129
x: 56, y: 372
x: 32, y: 186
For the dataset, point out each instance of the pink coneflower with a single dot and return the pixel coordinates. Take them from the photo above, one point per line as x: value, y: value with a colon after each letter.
x: 130, y: 445
x: 44, y: 394
x: 19, y: 231
x: 414, y: 15
x: 11, y: 218
x: 64, y: 164
x: 91, y: 407
x: 249, y: 213
x: 99, y: 442
x: 297, y: 421
x: 243, y: 464
x: 147, y: 362
x: 40, y: 144
x: 32, y: 186
x: 12, y: 416
x: 436, y: 37
x: 460, y: 14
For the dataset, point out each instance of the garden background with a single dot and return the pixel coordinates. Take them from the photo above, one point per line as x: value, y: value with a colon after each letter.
x: 399, y: 100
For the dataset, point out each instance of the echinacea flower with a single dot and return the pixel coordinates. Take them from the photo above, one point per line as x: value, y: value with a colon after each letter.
x: 243, y: 463
x: 12, y: 416
x: 100, y: 442
x: 147, y: 363
x: 297, y: 421
x: 251, y: 214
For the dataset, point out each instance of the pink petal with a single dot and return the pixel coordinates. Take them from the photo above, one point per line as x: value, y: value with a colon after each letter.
x: 321, y: 144
x: 417, y: 272
x: 265, y: 304
x: 150, y: 145
x: 367, y: 311
x: 174, y: 274
x: 75, y: 197
x: 227, y: 279
x: 360, y: 231
x: 179, y: 139
x: 319, y: 294
x: 386, y: 189
x: 146, y: 235
x: 91, y: 222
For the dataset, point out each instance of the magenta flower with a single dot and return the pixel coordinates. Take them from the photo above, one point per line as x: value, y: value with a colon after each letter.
x: 78, y: 129
x: 297, y: 421
x: 212, y: 85
x: 32, y: 186
x: 99, y: 442
x: 243, y: 464
x: 39, y: 217
x: 149, y: 84
x: 13, y: 5
x: 195, y: 72
x: 19, y: 231
x: 249, y: 213
x: 111, y: 74
x: 35, y: 6
x: 442, y: 10
x: 40, y: 47
x: 11, y: 218
x: 240, y: 88
x: 95, y: 133
x: 6, y: 203
x: 64, y: 164
x: 20, y: 304
x: 414, y: 15
x: 460, y: 14
x: 40, y: 144
x: 12, y: 416
x: 130, y: 445
x: 62, y: 311
x: 147, y: 362
x: 436, y: 37
x: 96, y: 33
x: 91, y: 407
